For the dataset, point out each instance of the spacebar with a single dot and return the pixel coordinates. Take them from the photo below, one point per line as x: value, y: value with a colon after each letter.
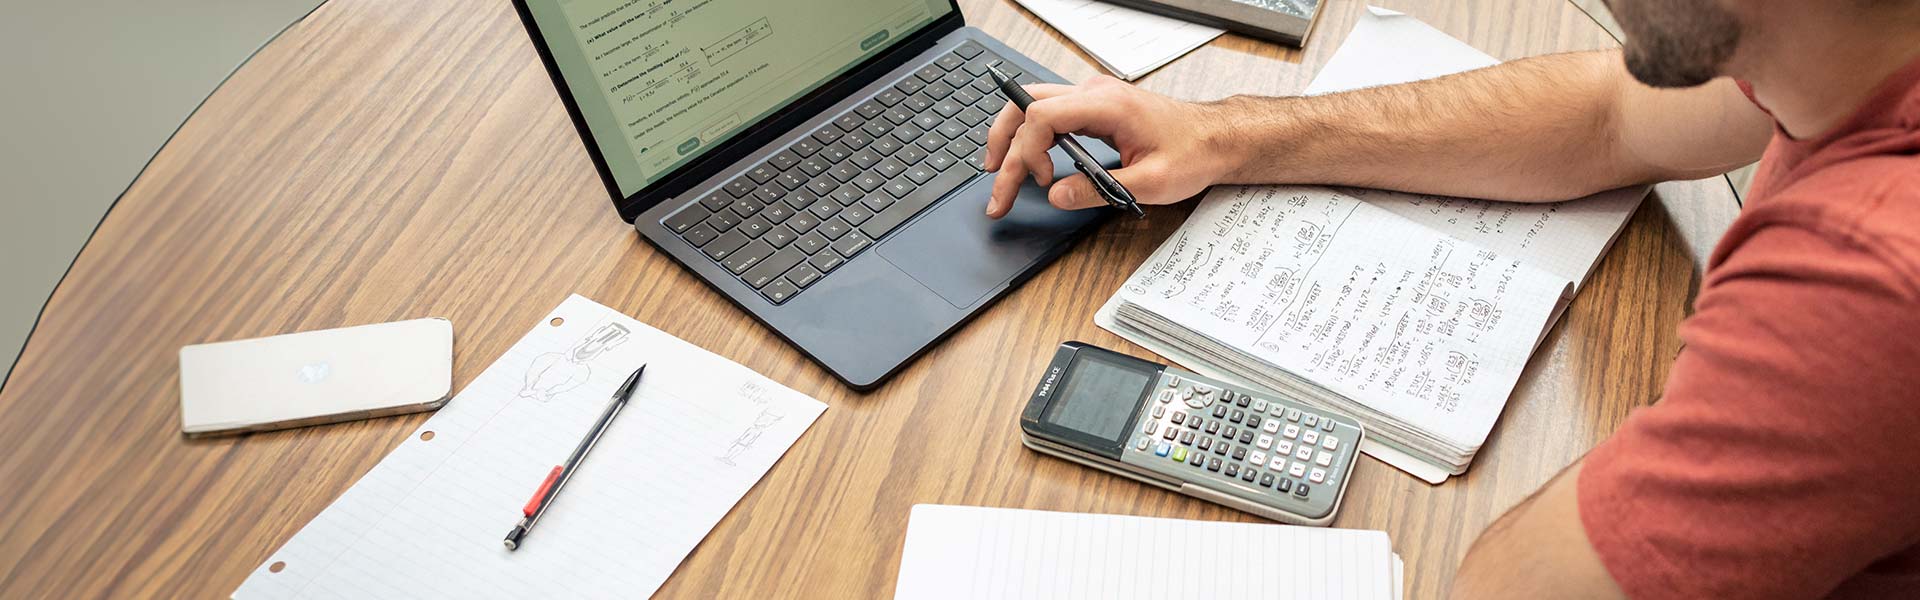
x: 921, y: 198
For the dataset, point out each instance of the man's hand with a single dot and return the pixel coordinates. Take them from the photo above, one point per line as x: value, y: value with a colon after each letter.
x: 1166, y: 146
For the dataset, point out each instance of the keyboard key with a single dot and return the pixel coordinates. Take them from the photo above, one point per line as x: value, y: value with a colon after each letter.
x: 847, y: 122
x: 939, y: 91
x: 1324, y: 459
x: 800, y: 199
x: 746, y: 207
x: 918, y: 103
x: 891, y: 97
x: 868, y: 181
x: 811, y: 243
x: 962, y: 148
x: 844, y: 172
x: 1317, y: 476
x: 880, y: 202
x: 784, y: 160
x: 1310, y: 421
x: 930, y: 141
x: 835, y: 153
x: 1232, y: 470
x: 823, y: 209
x: 755, y: 227
x: 908, y: 86
x: 911, y: 154
x: 899, y: 187
x: 822, y: 185
x: 897, y: 116
x: 906, y: 134
x: 826, y: 262
x: 976, y: 66
x: 773, y: 267
x: 814, y: 166
x: 847, y: 194
x: 870, y: 109
x: 827, y: 135
x: 688, y: 217
x: 973, y: 116
x: 929, y: 73
x: 926, y: 121
x: 936, y: 162
x: 1326, y: 424
x: 968, y: 96
x: 952, y: 129
x: 769, y: 194
x: 878, y: 128
x: 969, y: 49
x: 762, y: 173
x: 724, y: 245
x: 834, y: 228
x: 747, y: 258
x: 857, y: 140
x: 803, y: 222
x: 723, y: 221
x: 700, y: 234
x: 716, y: 201
x: 806, y: 147
x: 856, y: 214
x: 890, y: 168
x: 1248, y: 475
x: 852, y: 244
x: 780, y: 237
x: 790, y: 181
x: 956, y: 79
x: 739, y: 187
x: 950, y: 61
x: 923, y: 196
x: 886, y: 146
x: 779, y: 292
x: 865, y: 159
x: 803, y: 276
x: 1300, y: 490
x: 1283, y: 485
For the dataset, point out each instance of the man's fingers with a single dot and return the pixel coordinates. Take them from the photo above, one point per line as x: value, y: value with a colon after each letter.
x: 1006, y: 186
x: 1008, y: 120
x: 1147, y: 182
x: 1029, y: 148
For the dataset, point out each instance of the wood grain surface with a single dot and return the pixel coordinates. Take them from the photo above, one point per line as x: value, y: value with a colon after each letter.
x: 389, y: 159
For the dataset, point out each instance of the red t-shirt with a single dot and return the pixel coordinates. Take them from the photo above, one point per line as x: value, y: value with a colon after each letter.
x: 1784, y: 459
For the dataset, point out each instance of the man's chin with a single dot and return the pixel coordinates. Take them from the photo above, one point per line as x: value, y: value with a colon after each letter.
x: 1668, y: 75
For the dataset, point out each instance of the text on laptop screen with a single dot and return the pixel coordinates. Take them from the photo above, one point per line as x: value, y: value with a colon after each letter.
x: 661, y: 81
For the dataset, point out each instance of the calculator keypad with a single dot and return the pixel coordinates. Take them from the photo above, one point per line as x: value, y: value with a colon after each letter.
x: 1288, y: 453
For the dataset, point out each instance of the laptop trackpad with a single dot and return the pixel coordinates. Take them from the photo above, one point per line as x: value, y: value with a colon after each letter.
x: 962, y: 255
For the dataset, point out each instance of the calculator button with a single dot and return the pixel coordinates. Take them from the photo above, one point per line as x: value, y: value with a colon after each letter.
x: 1310, y: 438
x: 1291, y: 431
x: 1247, y: 475
x: 1141, y: 445
x: 1196, y: 459
x: 1162, y: 449
x: 1259, y: 406
x: 1230, y: 432
x: 1271, y: 426
x: 1303, y: 453
x: 1266, y: 442
x: 1311, y: 421
x: 1300, y: 490
x: 1246, y: 437
x: 1171, y: 432
x: 1283, y: 485
x: 1194, y: 422
x: 1283, y: 448
x: 1239, y: 453
x: 1329, y: 442
x: 1279, y: 463
x: 1179, y: 453
x: 1186, y: 438
x: 1213, y: 427
x: 1178, y: 417
x: 1152, y: 426
x: 1243, y: 401
x: 1201, y: 389
x: 1253, y: 421
x: 1326, y: 424
x: 1204, y: 443
x: 1266, y: 480
x: 1159, y: 411
x: 1219, y: 412
x: 1293, y: 414
x: 1238, y: 416
x: 1232, y: 470
x: 1257, y: 457
x: 1298, y: 469
x: 1317, y: 475
x: 1166, y: 396
x: 1173, y: 381
x: 1324, y: 459
x: 1213, y: 464
x: 1221, y: 448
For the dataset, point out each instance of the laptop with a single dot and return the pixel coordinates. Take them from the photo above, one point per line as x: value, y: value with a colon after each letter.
x: 817, y: 162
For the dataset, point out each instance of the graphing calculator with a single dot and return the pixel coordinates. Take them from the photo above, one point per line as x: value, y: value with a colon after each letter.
x: 1255, y: 451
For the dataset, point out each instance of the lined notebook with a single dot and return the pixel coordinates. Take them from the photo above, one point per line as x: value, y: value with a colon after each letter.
x: 956, y: 552
x: 427, y: 522
x: 1414, y: 313
x: 1128, y: 42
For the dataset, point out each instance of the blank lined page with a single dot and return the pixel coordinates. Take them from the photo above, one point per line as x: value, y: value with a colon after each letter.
x: 427, y: 522
x: 973, y: 552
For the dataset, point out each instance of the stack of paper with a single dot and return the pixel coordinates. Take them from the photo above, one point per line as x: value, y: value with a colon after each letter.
x: 427, y: 522
x: 964, y: 552
x: 1414, y: 313
x: 1127, y: 42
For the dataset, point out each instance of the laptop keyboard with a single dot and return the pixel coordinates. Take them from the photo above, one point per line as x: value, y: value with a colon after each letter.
x: 791, y: 220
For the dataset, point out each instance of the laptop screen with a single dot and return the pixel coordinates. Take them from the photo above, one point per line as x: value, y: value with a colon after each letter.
x: 659, y: 82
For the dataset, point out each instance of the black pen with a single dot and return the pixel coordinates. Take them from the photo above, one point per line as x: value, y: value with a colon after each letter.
x: 560, y: 474
x: 1110, y: 188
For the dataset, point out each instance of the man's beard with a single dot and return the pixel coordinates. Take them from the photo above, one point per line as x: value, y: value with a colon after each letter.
x: 1676, y: 43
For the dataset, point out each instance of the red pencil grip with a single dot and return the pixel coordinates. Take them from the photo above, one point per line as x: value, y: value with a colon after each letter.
x: 534, y: 504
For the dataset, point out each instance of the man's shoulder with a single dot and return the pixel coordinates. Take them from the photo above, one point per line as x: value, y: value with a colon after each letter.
x: 1866, y: 211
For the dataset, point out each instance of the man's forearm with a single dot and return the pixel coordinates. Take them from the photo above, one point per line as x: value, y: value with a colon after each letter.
x: 1537, y: 129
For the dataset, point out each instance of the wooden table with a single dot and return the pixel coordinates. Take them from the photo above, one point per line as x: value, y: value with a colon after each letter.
x: 387, y: 160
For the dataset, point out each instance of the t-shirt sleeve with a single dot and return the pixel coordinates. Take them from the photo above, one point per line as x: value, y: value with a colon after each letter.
x: 1784, y: 456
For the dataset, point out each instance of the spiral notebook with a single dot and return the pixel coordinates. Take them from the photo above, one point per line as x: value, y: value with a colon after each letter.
x: 427, y: 522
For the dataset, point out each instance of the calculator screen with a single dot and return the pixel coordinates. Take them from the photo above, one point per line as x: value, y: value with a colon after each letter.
x: 1098, y: 398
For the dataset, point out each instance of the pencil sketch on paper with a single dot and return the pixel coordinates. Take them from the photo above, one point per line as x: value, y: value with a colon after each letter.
x: 556, y: 373
x: 768, y: 416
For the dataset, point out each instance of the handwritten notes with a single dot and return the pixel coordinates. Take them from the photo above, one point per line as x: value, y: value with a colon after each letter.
x: 1353, y: 299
